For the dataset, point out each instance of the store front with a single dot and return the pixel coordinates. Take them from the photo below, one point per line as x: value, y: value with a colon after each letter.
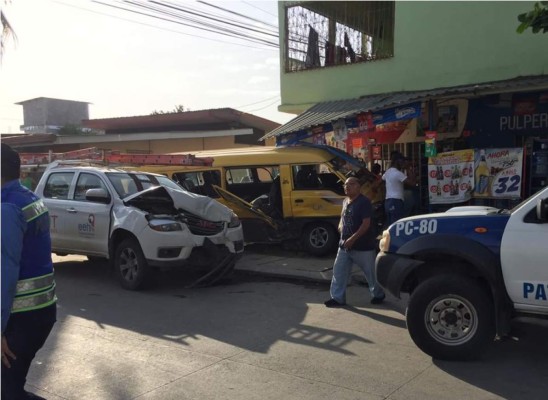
x: 454, y: 130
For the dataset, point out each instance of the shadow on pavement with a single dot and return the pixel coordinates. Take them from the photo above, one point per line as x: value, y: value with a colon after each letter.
x: 242, y: 316
x: 383, y: 319
x: 213, y: 323
x: 118, y: 344
x: 508, y: 369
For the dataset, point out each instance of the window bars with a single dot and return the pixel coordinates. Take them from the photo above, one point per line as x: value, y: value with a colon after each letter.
x: 322, y: 34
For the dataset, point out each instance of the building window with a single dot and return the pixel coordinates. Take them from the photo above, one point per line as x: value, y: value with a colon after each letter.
x: 323, y: 34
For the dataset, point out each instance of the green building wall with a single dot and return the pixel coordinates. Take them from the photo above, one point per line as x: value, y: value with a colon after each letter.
x: 437, y: 44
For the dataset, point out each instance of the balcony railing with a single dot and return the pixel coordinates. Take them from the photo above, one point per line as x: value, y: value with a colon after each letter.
x: 323, y: 34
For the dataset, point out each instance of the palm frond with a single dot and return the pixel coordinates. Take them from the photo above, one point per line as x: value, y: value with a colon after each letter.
x: 6, y: 34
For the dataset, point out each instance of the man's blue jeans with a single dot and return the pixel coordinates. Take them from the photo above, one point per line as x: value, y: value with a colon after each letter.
x: 342, y: 268
x: 394, y: 210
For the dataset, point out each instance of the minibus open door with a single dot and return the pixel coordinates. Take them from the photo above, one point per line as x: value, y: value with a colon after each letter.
x: 241, y: 203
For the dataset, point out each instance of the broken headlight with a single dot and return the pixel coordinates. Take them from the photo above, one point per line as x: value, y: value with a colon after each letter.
x: 234, y: 221
x: 162, y: 225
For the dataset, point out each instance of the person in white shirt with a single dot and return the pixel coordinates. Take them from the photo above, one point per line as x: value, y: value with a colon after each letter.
x: 395, y: 180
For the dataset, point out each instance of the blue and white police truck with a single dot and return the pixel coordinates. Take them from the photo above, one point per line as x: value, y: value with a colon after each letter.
x: 468, y: 272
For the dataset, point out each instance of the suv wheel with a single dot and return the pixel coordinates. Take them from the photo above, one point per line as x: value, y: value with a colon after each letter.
x: 319, y: 238
x: 131, y: 266
x: 450, y: 317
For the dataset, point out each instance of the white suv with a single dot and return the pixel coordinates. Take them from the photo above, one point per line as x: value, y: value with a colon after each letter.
x: 138, y: 221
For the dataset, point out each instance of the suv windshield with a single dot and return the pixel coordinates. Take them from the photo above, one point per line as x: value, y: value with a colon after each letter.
x: 127, y: 184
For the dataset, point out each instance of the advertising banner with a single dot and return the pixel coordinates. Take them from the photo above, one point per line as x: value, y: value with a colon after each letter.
x: 451, y: 177
x: 498, y: 173
x: 405, y: 112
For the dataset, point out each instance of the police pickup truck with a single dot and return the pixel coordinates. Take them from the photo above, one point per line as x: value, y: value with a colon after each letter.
x: 468, y: 272
x: 138, y: 221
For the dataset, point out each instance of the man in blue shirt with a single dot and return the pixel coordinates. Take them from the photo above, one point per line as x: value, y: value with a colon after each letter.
x: 28, y: 288
x: 357, y: 246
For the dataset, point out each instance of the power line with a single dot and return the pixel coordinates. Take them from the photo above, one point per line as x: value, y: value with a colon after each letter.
x: 168, y: 20
x: 262, y: 108
x: 210, y: 16
x: 258, y: 8
x: 213, y: 28
x: 219, y: 20
x: 257, y: 102
x: 243, y: 19
x: 158, y: 27
x: 235, y: 13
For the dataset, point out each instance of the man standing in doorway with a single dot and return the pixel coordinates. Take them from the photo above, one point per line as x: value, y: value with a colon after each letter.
x: 395, y: 180
x: 28, y: 288
x: 356, y: 246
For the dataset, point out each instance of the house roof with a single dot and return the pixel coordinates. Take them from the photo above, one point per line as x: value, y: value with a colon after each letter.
x: 329, y: 111
x: 31, y: 140
x: 50, y: 98
x: 23, y: 139
x: 220, y: 116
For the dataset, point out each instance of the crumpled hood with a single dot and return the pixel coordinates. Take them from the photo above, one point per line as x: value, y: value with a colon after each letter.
x: 201, y: 206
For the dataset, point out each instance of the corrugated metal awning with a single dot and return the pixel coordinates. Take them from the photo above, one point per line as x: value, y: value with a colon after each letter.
x: 329, y: 111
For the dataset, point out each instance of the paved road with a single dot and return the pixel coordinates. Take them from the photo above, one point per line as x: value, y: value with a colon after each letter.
x: 258, y: 338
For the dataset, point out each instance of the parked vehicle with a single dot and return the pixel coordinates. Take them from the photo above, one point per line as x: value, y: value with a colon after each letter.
x: 292, y: 194
x: 468, y: 271
x: 138, y: 221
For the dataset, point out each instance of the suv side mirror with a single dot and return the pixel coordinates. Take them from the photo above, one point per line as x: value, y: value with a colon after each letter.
x: 542, y: 210
x: 98, y: 195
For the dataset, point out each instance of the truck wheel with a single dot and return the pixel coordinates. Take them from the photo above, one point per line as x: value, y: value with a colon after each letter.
x: 131, y: 266
x: 450, y: 317
x: 319, y: 238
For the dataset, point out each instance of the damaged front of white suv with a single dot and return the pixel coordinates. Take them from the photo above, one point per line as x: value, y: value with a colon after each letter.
x: 174, y: 228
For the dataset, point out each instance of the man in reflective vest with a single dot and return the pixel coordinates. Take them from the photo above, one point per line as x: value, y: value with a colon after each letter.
x: 28, y: 288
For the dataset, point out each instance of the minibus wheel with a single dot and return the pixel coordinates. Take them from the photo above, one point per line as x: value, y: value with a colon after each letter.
x: 319, y: 238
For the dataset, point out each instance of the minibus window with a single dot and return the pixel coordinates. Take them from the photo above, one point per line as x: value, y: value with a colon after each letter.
x: 306, y: 177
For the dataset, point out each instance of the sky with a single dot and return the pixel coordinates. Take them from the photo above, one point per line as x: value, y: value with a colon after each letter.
x: 85, y: 51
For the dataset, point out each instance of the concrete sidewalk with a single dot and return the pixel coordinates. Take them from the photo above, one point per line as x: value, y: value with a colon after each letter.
x: 287, y: 265
x: 275, y: 262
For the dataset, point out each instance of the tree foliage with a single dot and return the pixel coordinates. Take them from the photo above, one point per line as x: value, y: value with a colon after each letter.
x: 177, y: 109
x: 6, y: 33
x: 537, y: 19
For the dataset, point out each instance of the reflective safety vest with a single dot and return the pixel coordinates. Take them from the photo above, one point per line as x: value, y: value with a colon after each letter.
x: 36, y: 286
x: 37, y: 292
x: 34, y: 210
x: 34, y: 293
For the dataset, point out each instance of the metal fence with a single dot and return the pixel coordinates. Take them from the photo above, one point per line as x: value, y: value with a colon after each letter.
x: 323, y: 34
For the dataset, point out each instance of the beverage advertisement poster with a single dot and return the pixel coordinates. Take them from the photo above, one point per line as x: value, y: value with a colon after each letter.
x: 430, y: 144
x: 498, y: 173
x: 451, y: 177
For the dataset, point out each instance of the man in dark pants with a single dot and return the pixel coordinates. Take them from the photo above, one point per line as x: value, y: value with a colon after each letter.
x: 28, y: 287
x: 357, y: 246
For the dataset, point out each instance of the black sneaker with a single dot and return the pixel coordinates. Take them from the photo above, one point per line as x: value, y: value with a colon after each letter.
x: 377, y: 300
x: 332, y: 303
